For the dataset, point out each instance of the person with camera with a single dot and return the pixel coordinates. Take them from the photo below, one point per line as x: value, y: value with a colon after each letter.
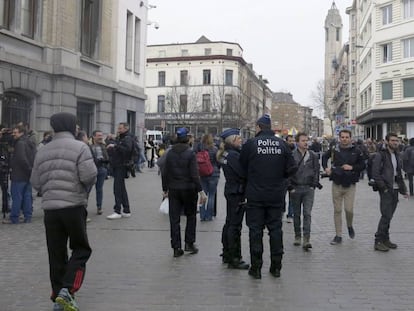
x: 120, y: 153
x: 228, y: 157
x: 386, y: 173
x: 347, y: 162
x: 101, y: 158
x: 302, y: 188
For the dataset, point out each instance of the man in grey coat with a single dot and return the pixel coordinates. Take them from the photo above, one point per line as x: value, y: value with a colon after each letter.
x: 63, y: 171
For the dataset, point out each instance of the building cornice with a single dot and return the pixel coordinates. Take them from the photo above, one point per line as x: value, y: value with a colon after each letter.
x: 388, y: 113
x: 195, y: 58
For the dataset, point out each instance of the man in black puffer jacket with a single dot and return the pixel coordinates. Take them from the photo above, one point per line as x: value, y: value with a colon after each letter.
x: 181, y: 183
x: 347, y: 162
x: 267, y: 161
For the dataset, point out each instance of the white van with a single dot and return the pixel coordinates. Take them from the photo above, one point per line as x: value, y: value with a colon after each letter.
x: 156, y: 136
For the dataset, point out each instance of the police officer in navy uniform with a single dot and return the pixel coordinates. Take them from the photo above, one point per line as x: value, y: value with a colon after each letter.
x: 228, y: 156
x: 268, y: 162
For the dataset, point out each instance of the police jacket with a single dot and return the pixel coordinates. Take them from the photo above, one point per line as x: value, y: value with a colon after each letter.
x: 383, y: 172
x: 180, y: 170
x: 339, y: 156
x: 121, y: 153
x: 308, y: 169
x: 21, y: 163
x: 267, y: 161
x: 233, y: 172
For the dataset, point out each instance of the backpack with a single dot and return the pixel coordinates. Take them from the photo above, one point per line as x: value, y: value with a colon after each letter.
x: 205, y: 168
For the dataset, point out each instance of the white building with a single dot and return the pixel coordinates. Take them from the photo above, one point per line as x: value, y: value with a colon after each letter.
x: 205, y: 86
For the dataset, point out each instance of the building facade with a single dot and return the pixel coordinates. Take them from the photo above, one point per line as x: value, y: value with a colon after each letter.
x: 205, y: 86
x: 84, y: 57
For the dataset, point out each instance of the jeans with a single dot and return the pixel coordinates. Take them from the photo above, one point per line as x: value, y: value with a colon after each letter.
x: 290, y: 208
x: 303, y: 196
x: 100, y: 179
x: 410, y: 182
x: 388, y: 205
x: 21, y: 193
x: 209, y: 185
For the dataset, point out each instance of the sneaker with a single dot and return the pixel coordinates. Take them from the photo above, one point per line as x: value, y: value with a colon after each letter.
x: 306, y: 244
x: 114, y: 216
x: 66, y: 301
x: 126, y: 215
x: 289, y: 220
x: 99, y: 211
x: 8, y: 221
x: 351, y: 232
x: 380, y: 246
x: 88, y: 220
x: 298, y: 241
x: 390, y: 245
x: 57, y: 307
x: 178, y: 252
x: 336, y: 240
x: 190, y: 247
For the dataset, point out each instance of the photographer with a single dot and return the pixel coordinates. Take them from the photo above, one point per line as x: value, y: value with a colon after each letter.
x: 302, y: 188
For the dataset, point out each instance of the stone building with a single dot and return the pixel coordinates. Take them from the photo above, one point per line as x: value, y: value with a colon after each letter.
x: 85, y: 57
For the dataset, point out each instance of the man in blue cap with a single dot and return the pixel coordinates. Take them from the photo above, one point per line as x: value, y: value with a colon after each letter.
x: 181, y: 184
x: 228, y: 156
x: 268, y: 162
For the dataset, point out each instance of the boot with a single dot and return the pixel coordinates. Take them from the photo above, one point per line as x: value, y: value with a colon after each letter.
x: 298, y: 240
x: 190, y: 247
x: 225, y: 256
x: 237, y: 264
x: 178, y: 252
x: 306, y: 244
x: 275, y: 266
x: 256, y: 267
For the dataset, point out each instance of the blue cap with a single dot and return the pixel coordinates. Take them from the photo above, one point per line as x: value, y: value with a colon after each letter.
x: 182, y: 132
x: 264, y: 120
x: 230, y: 132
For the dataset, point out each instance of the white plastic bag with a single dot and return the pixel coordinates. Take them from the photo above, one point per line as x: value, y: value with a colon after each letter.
x: 164, y: 207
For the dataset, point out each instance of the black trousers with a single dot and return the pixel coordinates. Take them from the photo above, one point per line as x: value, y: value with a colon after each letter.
x: 5, y: 196
x: 231, y: 233
x: 258, y: 216
x: 120, y: 193
x: 388, y: 205
x: 62, y: 225
x: 182, y: 200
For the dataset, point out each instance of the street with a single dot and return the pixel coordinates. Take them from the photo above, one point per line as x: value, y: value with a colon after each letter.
x: 132, y: 265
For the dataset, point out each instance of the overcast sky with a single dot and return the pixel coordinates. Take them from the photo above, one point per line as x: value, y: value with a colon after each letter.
x: 284, y: 40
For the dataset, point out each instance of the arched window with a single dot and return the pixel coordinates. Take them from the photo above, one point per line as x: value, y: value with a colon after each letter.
x: 15, y: 108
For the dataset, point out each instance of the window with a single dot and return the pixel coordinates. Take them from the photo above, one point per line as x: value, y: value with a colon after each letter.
x: 207, y: 51
x: 206, y: 103
x: 90, y: 26
x: 338, y: 34
x: 408, y: 7
x: 386, y: 90
x: 183, y: 103
x: 387, y: 14
x: 129, y: 47
x: 137, y: 48
x: 206, y: 76
x: 184, y: 52
x: 161, y: 103
x: 161, y: 78
x: 408, y: 88
x: 85, y: 116
x: 408, y: 47
x: 229, y: 77
x: 387, y: 53
x: 15, y: 108
x: 28, y: 17
x: 229, y: 52
x: 5, y: 11
x: 184, y: 77
x: 132, y: 121
x: 228, y: 103
x: 162, y: 53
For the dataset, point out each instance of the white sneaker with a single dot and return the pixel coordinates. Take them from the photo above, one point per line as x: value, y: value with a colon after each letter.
x: 126, y: 215
x: 114, y: 216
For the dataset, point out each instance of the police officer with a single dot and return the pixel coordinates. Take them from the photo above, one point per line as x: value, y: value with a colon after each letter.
x: 268, y: 162
x: 228, y: 156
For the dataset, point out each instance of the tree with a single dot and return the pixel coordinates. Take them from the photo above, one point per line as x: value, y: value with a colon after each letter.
x: 321, y: 107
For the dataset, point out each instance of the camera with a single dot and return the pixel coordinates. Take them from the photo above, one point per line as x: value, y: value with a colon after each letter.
x: 324, y: 175
x: 319, y: 186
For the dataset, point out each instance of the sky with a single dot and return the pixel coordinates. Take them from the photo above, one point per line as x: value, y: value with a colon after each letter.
x: 284, y: 40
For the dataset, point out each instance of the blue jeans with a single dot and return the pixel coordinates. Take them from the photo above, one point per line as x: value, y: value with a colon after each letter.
x: 21, y: 193
x: 302, y: 201
x: 100, y: 179
x: 388, y: 205
x: 209, y: 185
x: 290, y: 207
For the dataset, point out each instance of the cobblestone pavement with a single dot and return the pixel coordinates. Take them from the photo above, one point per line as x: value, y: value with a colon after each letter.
x: 132, y: 267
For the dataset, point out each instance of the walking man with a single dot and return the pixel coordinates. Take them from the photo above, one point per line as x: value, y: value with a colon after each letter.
x: 302, y: 186
x: 386, y: 172
x: 120, y: 153
x: 268, y: 162
x: 63, y: 171
x: 408, y: 164
x: 347, y: 162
